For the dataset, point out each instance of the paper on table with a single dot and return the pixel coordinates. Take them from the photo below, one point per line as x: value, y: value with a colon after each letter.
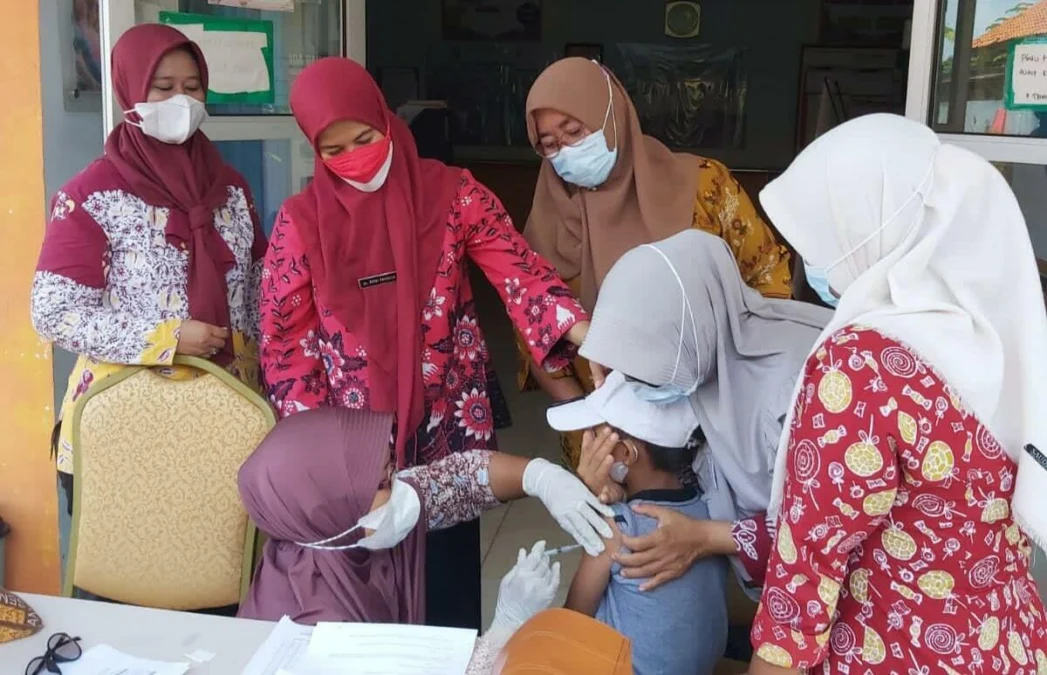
x: 387, y: 649
x: 283, y: 651
x: 104, y: 660
x: 235, y: 62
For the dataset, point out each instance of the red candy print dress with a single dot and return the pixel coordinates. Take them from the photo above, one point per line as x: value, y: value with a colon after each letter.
x: 896, y: 551
x: 309, y: 360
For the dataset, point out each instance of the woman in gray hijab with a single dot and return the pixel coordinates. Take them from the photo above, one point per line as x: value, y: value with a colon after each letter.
x: 676, y: 318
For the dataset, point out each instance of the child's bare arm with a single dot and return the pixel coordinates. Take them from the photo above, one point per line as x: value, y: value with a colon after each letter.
x: 592, y: 578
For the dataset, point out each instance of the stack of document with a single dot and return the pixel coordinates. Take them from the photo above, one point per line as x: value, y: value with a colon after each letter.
x: 363, y: 649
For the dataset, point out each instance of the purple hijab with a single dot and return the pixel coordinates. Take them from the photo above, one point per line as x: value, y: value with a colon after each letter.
x: 312, y: 478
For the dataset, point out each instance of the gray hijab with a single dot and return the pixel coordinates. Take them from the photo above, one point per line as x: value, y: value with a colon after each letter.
x: 744, y: 351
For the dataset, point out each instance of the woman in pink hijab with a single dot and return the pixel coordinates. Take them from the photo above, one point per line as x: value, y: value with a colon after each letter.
x: 366, y: 301
x: 154, y: 249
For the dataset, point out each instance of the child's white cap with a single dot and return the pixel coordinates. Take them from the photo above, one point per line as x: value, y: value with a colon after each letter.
x: 616, y: 403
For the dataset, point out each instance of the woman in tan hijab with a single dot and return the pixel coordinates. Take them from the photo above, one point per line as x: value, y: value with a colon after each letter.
x: 562, y: 642
x: 605, y: 188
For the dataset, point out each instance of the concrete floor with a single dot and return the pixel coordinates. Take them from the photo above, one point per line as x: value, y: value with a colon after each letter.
x: 508, y: 528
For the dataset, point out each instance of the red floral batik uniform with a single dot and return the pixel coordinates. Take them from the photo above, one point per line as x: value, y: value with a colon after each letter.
x: 896, y: 551
x: 309, y: 360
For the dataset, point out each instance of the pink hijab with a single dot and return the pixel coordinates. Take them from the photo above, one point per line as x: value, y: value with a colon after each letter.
x: 351, y: 235
x: 191, y: 179
x: 312, y: 478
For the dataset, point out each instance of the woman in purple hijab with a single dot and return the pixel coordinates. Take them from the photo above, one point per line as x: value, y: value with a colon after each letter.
x: 346, y: 537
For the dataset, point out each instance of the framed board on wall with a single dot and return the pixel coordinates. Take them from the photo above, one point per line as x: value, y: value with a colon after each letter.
x: 841, y: 83
x: 492, y: 20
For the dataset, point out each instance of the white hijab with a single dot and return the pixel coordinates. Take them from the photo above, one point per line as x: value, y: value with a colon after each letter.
x: 926, y: 243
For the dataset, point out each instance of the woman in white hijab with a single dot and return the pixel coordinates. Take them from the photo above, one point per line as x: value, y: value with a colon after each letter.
x: 676, y: 319
x: 904, y: 492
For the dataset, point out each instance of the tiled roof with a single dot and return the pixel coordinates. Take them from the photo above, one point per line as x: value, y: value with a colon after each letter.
x: 1032, y: 21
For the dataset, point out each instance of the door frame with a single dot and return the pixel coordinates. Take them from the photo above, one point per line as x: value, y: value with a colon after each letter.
x: 923, y: 63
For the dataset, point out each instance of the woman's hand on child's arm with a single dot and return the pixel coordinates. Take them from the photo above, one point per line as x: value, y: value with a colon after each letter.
x: 594, y: 464
x: 669, y: 551
x: 591, y: 579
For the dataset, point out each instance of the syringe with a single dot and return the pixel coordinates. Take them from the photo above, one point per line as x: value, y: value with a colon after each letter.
x: 562, y: 549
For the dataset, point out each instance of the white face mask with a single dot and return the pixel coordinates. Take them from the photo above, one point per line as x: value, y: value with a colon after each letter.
x: 390, y: 523
x: 172, y: 120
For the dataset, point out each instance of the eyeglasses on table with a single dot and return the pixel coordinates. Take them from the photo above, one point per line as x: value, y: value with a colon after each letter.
x: 61, y: 648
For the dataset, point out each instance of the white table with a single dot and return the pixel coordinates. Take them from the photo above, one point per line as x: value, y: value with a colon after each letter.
x: 147, y: 633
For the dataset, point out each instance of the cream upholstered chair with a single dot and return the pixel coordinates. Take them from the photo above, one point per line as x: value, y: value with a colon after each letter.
x: 157, y: 518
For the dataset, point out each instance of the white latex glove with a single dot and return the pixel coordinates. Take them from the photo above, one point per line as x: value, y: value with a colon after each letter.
x: 529, y: 587
x: 577, y: 510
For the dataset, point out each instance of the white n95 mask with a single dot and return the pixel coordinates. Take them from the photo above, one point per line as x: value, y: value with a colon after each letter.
x: 390, y: 523
x: 172, y: 120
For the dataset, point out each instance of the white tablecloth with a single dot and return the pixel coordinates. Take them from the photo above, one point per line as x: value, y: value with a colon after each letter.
x: 148, y: 633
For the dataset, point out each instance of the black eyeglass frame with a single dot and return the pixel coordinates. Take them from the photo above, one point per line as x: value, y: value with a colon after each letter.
x: 61, y: 648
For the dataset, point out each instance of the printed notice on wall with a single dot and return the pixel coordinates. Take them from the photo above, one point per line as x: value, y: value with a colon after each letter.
x: 1027, y: 75
x: 239, y: 54
x: 271, y: 5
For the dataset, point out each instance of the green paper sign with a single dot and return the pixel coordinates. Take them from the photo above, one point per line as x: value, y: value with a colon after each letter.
x: 239, y: 54
x: 1026, y: 87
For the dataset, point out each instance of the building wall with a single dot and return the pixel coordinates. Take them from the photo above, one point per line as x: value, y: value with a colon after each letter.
x: 27, y: 478
x: 401, y: 33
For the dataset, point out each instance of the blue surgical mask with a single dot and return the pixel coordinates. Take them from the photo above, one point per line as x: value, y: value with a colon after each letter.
x: 818, y: 280
x: 589, y: 162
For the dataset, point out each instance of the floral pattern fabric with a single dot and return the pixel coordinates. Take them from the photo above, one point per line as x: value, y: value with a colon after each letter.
x: 309, y: 360
x: 455, y: 489
x: 896, y: 551
x: 124, y: 300
x: 753, y: 539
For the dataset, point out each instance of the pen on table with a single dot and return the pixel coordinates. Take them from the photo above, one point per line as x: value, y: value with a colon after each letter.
x: 562, y: 549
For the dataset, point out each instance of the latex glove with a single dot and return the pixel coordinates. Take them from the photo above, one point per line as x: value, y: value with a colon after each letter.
x: 529, y: 587
x: 577, y: 510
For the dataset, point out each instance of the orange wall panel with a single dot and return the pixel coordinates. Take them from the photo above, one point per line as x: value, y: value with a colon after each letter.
x: 28, y: 499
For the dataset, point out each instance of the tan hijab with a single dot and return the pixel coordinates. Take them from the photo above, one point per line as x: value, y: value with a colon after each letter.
x: 562, y: 642
x: 649, y: 195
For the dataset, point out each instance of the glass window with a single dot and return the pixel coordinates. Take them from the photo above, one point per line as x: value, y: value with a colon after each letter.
x: 978, y: 73
x: 1029, y: 182
x: 313, y: 30
x: 266, y: 165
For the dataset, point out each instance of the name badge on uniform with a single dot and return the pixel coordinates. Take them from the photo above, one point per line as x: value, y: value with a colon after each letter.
x: 1037, y: 455
x: 377, y: 280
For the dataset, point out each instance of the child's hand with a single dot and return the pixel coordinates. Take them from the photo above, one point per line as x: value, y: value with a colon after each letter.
x: 529, y: 588
x: 594, y: 464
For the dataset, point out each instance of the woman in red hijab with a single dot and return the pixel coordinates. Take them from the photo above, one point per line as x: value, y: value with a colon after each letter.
x: 366, y: 302
x: 155, y: 248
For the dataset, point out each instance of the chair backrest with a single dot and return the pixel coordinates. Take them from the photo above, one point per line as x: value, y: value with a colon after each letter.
x: 157, y: 518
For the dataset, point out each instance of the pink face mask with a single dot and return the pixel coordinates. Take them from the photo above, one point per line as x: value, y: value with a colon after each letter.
x: 365, y: 168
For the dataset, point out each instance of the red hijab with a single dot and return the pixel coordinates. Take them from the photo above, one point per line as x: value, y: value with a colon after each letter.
x: 352, y: 235
x: 190, y: 179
